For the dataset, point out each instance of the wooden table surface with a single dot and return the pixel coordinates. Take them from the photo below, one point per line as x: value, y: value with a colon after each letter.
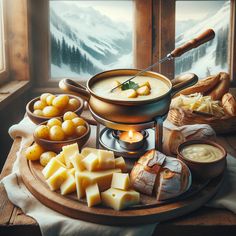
x: 205, y: 221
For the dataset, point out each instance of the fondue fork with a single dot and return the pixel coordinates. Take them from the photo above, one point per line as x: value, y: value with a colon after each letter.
x: 206, y: 36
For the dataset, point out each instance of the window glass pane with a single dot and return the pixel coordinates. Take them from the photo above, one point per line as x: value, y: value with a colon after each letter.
x: 1, y: 39
x: 88, y: 37
x: 192, y: 18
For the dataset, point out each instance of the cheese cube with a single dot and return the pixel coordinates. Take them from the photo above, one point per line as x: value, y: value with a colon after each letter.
x: 85, y: 178
x: 87, y: 150
x: 52, y: 166
x: 76, y: 161
x: 120, y: 163
x: 71, y: 171
x: 91, y: 162
x: 56, y: 180
x: 68, y: 185
x: 93, y: 195
x: 120, y: 181
x: 60, y: 157
x: 69, y: 151
x: 106, y: 159
x: 120, y: 199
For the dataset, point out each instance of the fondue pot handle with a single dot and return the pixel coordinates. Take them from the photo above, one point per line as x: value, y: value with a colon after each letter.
x: 183, y: 81
x: 72, y: 87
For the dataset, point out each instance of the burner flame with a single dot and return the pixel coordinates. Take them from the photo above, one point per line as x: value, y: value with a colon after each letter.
x: 130, y: 134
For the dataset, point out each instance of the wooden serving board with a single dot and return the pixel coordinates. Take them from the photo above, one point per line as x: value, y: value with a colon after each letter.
x: 149, y: 211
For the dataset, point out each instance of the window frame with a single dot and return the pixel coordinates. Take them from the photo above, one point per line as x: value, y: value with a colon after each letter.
x: 4, y: 74
x: 150, y: 43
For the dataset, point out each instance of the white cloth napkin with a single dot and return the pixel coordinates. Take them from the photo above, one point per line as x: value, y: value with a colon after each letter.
x: 53, y: 223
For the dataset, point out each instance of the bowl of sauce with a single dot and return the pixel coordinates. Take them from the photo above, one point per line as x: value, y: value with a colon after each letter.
x: 206, y: 159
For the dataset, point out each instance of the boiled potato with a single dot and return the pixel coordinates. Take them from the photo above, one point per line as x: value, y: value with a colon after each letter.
x: 38, y: 112
x: 143, y: 91
x: 129, y: 93
x: 68, y: 127
x: 78, y: 121
x: 69, y: 115
x: 54, y: 121
x: 61, y: 101
x: 42, y: 131
x: 56, y: 133
x: 44, y: 96
x: 50, y: 111
x: 34, y: 152
x: 46, y: 157
x: 145, y: 84
x: 73, y: 104
x: 80, y: 130
x: 50, y: 99
x: 39, y: 105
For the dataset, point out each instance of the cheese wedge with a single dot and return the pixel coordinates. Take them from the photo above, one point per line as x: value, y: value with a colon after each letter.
x: 68, y: 185
x: 120, y: 181
x: 85, y: 178
x: 120, y: 163
x: 76, y: 161
x: 56, y: 180
x: 120, y: 199
x: 91, y: 162
x: 87, y: 150
x: 52, y: 166
x: 93, y: 195
x: 60, y: 157
x: 106, y: 159
x: 68, y: 152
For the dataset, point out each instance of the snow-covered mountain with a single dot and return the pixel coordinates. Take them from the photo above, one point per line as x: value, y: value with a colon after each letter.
x: 103, y: 42
x: 212, y: 56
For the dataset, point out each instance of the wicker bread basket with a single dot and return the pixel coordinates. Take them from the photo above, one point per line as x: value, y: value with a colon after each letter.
x: 223, y: 125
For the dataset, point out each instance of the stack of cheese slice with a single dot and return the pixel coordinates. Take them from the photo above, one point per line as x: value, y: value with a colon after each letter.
x: 88, y: 173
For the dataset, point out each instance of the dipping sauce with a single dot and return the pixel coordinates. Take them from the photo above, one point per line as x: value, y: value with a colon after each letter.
x: 103, y: 87
x: 202, y: 153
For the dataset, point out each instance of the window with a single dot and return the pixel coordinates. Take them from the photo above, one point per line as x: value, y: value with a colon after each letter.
x: 88, y: 37
x: 69, y: 42
x: 3, y: 66
x: 193, y: 17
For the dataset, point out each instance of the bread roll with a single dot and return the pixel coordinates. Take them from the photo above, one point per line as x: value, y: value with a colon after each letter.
x: 164, y: 176
x: 201, y: 86
x: 221, y: 88
x: 229, y: 104
x: 171, y: 140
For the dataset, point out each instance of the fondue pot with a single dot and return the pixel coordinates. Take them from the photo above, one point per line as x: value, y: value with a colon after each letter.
x: 128, y: 111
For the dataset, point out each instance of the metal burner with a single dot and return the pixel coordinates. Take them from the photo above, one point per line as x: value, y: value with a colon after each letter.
x: 107, y: 141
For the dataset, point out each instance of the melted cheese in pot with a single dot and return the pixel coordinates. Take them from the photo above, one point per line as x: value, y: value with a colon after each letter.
x: 103, y: 87
x: 202, y: 153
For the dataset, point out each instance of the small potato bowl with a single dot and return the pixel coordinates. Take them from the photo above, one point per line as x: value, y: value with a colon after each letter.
x: 56, y: 146
x: 39, y: 119
x: 203, y: 170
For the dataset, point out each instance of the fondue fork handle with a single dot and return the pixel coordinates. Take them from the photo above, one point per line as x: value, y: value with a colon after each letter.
x: 206, y: 36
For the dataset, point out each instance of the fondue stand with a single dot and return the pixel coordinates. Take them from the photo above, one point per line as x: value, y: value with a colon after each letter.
x: 141, y: 137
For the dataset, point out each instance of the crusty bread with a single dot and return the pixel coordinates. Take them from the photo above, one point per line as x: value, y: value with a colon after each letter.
x: 202, y: 86
x: 164, y: 176
x: 229, y: 104
x: 221, y: 88
x: 171, y: 140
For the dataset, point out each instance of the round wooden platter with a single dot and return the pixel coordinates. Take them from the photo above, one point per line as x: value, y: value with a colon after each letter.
x: 143, y: 214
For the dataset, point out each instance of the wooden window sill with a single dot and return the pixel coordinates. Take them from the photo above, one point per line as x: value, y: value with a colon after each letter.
x: 11, y: 90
